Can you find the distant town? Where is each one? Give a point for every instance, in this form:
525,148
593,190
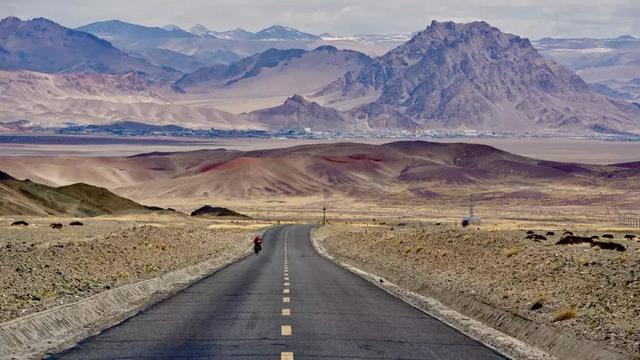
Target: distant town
135,129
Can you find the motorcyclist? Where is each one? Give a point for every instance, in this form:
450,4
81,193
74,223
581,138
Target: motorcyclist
257,244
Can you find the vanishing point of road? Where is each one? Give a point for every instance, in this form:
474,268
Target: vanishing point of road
287,303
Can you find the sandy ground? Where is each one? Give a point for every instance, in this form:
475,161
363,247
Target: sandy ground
579,289
42,267
566,150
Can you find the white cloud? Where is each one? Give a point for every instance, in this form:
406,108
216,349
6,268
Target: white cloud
530,18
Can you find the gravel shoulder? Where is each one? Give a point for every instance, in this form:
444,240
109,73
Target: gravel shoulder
586,291
43,267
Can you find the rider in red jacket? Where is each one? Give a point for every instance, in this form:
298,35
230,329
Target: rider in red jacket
257,244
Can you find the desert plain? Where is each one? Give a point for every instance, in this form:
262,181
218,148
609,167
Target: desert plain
393,209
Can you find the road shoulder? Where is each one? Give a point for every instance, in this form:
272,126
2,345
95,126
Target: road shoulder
56,329
507,333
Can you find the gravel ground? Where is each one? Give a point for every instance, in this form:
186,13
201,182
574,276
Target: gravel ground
584,290
43,267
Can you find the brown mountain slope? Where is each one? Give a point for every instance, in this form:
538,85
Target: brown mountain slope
53,100
282,72
473,76
29,198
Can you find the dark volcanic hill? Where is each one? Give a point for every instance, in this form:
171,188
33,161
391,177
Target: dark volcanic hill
44,46
473,76
29,198
210,211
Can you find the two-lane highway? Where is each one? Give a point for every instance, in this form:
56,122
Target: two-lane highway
286,303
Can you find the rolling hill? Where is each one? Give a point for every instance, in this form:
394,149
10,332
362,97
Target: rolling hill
400,170
25,197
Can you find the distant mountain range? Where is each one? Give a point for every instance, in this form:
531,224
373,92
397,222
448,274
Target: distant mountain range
116,29
279,32
612,66
462,77
44,46
237,34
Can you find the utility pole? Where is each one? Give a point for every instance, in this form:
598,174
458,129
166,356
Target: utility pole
471,208
324,215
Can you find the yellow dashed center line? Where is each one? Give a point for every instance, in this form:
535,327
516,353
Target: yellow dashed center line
286,330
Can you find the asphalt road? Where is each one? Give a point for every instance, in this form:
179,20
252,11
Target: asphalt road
286,303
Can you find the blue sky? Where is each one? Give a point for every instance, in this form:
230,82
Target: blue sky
529,18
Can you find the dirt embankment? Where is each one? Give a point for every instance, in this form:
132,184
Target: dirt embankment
43,267
580,289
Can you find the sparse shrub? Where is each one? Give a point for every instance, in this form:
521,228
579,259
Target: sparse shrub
563,314
47,294
512,251
150,268
623,259
124,275
608,236
408,250
419,249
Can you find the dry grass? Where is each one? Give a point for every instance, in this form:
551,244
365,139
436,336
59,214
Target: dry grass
583,261
511,251
565,313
